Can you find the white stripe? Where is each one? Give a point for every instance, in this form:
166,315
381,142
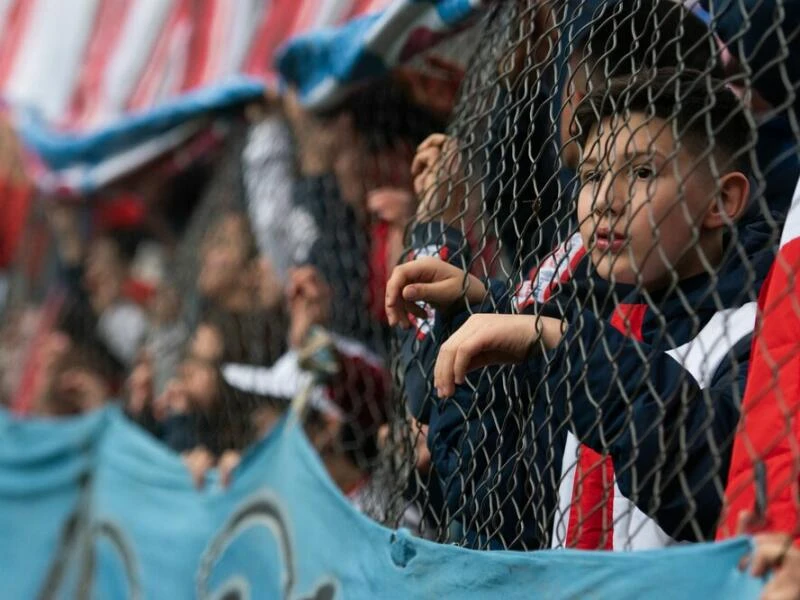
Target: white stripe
247,17
353,348
283,380
47,66
143,24
791,228
569,465
332,12
702,355
634,530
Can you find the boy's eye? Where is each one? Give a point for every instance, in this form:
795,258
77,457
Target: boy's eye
591,176
644,172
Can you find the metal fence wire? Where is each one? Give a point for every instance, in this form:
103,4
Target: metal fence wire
512,289
629,166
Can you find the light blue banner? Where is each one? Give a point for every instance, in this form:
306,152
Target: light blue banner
93,507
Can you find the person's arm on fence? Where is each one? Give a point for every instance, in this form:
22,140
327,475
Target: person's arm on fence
436,275
621,396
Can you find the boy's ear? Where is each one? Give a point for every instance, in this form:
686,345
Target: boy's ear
730,202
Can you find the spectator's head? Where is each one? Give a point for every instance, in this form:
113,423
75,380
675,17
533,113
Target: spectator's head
629,36
78,377
199,371
661,175
226,261
388,125
105,272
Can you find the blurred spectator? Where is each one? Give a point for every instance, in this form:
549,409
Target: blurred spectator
241,292
355,160
75,379
95,275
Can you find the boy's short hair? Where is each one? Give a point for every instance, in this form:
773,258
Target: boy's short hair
627,36
705,115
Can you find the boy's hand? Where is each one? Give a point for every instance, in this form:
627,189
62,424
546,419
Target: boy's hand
490,340
429,280
438,179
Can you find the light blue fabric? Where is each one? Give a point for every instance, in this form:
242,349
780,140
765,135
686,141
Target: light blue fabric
280,531
60,150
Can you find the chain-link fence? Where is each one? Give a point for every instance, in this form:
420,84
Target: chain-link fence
584,199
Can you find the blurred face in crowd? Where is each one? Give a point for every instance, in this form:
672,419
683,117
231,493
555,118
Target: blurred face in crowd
225,256
74,385
361,172
648,208
206,343
104,272
198,371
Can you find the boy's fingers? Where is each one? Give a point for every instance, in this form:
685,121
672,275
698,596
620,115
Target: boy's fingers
418,165
464,358
402,275
444,368
424,160
433,140
440,292
393,290
415,309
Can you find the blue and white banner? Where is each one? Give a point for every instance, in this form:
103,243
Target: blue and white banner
324,64
94,507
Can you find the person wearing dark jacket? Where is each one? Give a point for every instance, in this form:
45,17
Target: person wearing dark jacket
626,351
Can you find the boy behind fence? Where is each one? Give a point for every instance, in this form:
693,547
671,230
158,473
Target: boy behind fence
612,430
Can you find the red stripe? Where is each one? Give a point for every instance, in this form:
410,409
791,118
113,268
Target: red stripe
200,47
628,319
359,7
591,519
31,380
16,201
15,29
271,33
154,71
591,515
101,48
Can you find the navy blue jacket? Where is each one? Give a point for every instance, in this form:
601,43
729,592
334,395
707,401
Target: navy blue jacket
624,391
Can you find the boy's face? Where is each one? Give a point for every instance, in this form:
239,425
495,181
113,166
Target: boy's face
642,201
223,257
